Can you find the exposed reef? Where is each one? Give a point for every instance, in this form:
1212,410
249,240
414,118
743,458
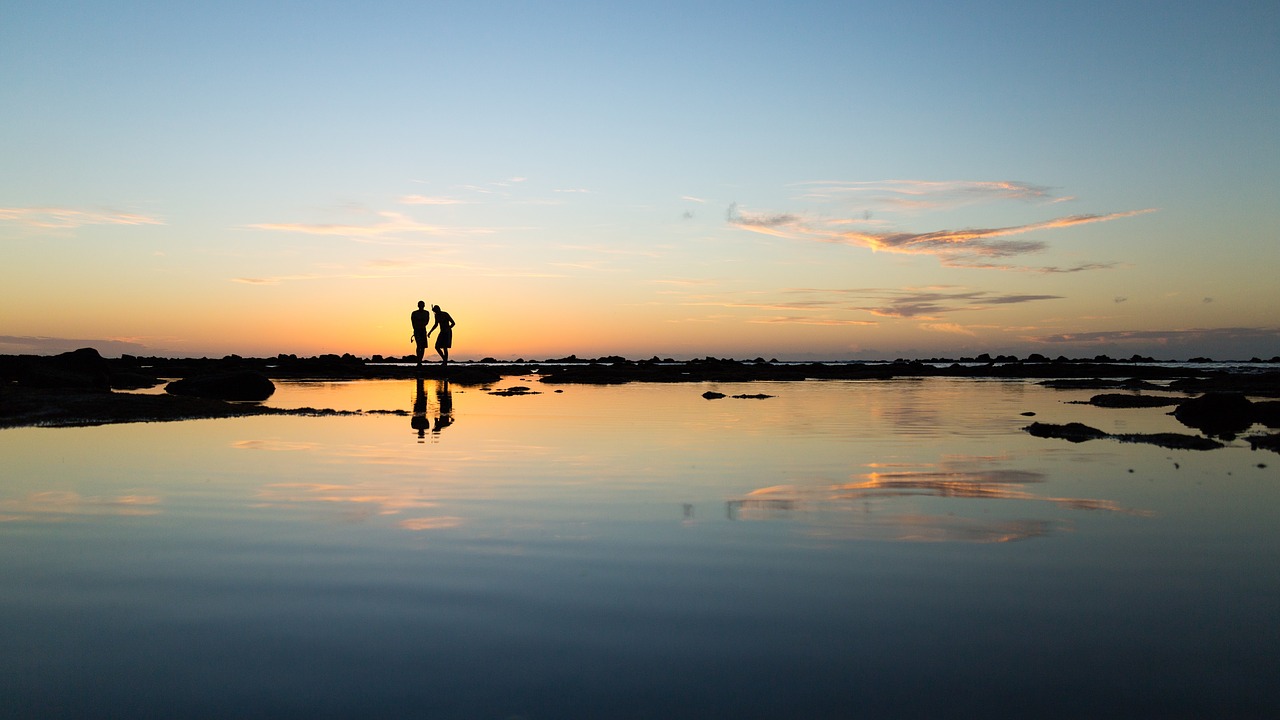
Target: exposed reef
77,387
1079,432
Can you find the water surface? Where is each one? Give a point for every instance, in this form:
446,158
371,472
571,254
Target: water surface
842,549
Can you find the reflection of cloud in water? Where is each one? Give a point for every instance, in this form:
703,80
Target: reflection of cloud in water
872,508
274,445
431,523
356,502
59,505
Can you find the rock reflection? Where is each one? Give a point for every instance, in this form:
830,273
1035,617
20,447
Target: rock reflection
880,505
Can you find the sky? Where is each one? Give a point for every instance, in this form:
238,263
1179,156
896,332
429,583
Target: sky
792,180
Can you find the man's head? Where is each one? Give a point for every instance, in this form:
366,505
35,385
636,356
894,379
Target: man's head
435,308
421,305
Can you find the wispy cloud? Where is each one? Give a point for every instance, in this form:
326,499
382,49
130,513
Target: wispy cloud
800,320
1200,336
970,247
927,194
925,303
951,328
957,245
393,225
43,345
823,306
70,218
429,200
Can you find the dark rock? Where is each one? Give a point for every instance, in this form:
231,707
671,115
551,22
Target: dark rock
712,395
242,385
1074,432
1265,442
1028,414
1121,400
514,390
82,369
758,396
1100,384
1267,412
1217,413
1265,384
1174,441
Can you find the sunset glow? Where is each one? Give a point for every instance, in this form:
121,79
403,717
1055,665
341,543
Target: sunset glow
884,182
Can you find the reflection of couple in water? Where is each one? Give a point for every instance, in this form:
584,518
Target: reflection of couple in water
444,409
418,319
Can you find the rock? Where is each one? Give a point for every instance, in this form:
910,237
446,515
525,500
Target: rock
1074,432
1173,441
712,395
514,390
1267,412
82,369
1265,442
1124,400
757,396
1217,413
236,385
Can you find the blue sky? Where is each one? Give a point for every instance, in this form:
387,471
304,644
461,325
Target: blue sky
779,179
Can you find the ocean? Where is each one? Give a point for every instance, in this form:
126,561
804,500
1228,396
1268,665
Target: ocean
838,549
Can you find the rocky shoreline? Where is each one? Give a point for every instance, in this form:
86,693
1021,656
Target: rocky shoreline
83,388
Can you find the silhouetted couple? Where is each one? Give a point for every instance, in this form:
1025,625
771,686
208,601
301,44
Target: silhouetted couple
418,319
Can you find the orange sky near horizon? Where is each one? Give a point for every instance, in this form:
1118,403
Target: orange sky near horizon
178,186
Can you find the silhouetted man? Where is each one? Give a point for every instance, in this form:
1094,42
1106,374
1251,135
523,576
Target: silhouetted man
444,340
419,319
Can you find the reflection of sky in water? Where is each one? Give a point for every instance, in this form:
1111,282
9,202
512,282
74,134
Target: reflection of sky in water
838,550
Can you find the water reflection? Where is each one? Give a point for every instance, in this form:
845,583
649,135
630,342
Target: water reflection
886,505
444,409
63,505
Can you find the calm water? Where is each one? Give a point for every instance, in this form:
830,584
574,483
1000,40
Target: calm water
844,549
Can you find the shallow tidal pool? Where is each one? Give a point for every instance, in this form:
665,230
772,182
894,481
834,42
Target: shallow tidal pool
840,549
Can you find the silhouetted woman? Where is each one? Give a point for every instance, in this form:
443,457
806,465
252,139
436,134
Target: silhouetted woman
444,340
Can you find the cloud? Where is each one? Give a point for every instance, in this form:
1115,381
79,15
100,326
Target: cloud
798,320
277,279
394,225
1203,336
956,245
925,304
427,200
691,198
776,224
980,247
907,303
949,328
41,345
927,194
69,218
